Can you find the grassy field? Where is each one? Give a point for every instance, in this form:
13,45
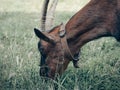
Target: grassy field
19,57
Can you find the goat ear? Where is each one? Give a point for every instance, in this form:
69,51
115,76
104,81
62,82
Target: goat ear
42,36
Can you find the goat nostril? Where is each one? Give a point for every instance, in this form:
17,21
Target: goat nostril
44,71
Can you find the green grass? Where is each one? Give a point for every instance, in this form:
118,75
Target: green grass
19,57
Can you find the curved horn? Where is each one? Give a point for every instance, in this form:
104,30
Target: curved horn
50,15
44,14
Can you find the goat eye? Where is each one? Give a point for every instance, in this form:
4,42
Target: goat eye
41,49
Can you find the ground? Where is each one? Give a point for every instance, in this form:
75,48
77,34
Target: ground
19,57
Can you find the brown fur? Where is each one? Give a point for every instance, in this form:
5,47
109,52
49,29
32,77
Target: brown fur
99,18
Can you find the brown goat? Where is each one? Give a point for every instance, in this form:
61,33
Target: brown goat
99,18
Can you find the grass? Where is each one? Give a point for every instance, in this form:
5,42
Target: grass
19,57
